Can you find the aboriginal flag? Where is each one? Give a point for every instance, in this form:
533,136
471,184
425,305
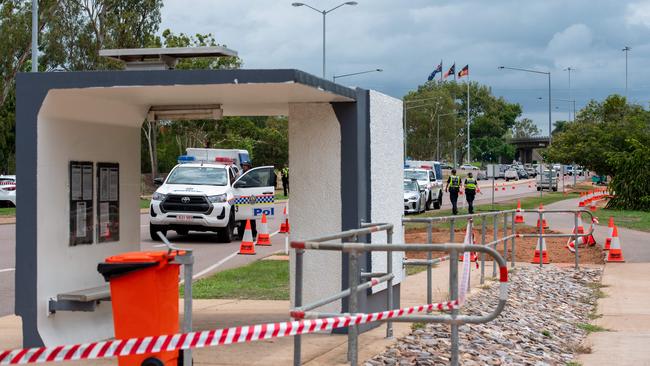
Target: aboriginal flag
435,71
463,72
451,71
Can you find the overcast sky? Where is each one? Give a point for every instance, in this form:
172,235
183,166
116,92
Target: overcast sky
408,38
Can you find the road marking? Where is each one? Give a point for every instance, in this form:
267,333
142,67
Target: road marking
215,266
7,270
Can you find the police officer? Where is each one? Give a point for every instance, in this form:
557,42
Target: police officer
453,187
285,180
470,191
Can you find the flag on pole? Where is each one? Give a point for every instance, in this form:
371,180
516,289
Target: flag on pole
435,71
463,72
451,71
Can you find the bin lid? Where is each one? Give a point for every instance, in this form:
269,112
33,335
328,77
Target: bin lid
142,257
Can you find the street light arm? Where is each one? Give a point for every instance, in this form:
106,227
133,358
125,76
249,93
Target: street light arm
525,70
309,6
340,5
356,73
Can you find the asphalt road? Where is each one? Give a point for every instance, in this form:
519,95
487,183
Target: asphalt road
210,255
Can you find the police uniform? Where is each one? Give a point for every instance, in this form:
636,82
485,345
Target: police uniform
285,180
470,193
453,182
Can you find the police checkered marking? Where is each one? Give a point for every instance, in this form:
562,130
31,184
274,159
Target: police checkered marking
251,200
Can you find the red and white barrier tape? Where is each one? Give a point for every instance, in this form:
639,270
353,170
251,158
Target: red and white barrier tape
217,337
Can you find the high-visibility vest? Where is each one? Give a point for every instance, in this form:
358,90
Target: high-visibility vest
470,183
454,181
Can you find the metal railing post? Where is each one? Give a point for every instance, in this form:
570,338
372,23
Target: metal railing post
188,269
541,238
453,292
512,248
297,339
483,222
353,281
575,238
495,224
389,283
452,234
429,266
505,233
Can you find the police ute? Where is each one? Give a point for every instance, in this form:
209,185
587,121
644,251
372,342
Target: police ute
209,196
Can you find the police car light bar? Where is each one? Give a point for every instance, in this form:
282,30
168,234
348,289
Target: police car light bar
225,160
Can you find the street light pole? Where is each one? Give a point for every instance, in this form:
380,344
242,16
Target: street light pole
626,49
569,69
548,73
355,73
324,13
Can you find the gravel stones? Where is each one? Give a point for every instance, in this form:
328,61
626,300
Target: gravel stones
537,327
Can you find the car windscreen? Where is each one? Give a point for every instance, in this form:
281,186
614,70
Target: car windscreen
411,186
198,176
416,174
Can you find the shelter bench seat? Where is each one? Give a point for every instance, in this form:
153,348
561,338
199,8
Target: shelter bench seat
81,300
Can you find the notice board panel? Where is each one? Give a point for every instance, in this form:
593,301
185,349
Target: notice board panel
81,202
108,202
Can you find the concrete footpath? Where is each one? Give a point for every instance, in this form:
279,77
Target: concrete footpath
318,349
625,311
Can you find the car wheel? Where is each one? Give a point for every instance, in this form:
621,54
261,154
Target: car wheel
539,188
438,203
182,232
154,229
227,234
554,189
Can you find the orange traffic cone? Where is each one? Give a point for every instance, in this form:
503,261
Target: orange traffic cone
592,205
543,223
615,253
247,246
591,241
540,251
469,239
263,237
519,218
284,227
503,187
610,233
582,200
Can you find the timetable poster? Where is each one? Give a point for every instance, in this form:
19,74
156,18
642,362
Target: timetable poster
81,202
108,202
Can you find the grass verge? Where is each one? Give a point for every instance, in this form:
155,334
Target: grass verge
7,211
261,280
637,220
144,203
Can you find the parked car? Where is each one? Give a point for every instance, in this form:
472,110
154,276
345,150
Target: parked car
511,174
521,172
415,197
8,190
446,166
532,173
468,167
427,179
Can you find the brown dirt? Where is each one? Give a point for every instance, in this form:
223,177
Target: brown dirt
524,247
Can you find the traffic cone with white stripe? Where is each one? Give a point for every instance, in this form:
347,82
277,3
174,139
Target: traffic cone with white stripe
263,237
591,241
469,240
581,203
592,205
247,246
540,251
519,218
610,233
284,227
580,230
543,223
615,253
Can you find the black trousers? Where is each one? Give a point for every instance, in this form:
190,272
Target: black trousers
285,186
470,194
453,196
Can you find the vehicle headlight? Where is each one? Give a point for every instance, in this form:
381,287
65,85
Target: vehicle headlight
413,198
218,198
158,196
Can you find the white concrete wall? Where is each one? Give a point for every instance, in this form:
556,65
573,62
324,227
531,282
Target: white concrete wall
386,177
315,166
62,268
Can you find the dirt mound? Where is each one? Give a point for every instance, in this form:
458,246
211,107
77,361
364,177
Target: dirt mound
524,247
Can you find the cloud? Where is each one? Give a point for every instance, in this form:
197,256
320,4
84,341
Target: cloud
408,38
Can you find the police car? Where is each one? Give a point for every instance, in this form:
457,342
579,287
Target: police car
426,178
210,197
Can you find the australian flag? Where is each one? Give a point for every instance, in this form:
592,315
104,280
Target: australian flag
435,71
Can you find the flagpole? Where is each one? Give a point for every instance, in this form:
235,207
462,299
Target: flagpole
442,67
469,160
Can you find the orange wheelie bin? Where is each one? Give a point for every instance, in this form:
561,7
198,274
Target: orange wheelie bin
144,296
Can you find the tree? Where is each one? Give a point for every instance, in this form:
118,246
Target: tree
632,193
559,127
524,127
